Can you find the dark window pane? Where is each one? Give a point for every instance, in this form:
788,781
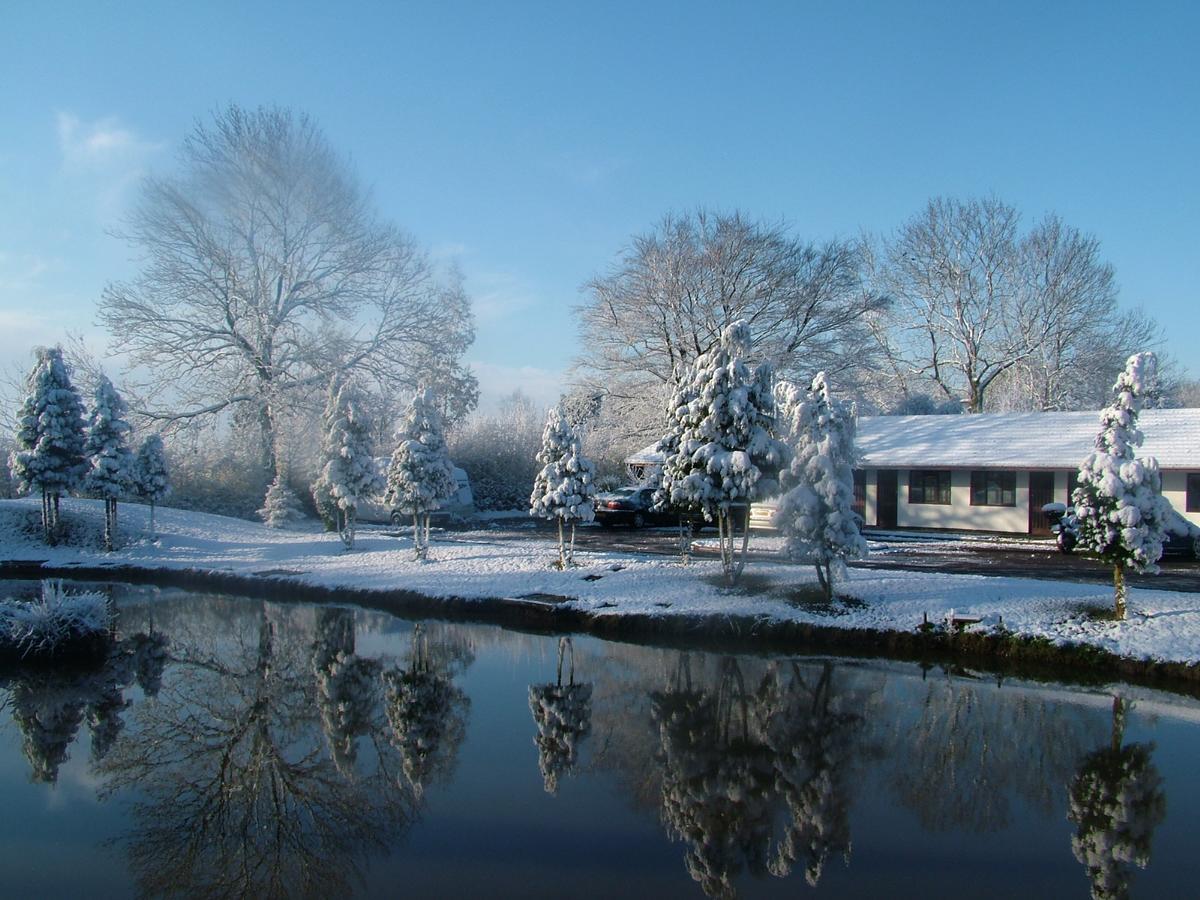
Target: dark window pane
929,486
1193,492
990,488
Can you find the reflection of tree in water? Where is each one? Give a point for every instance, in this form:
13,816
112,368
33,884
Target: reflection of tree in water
718,776
973,746
427,713
238,797
1116,803
48,707
347,685
812,734
563,715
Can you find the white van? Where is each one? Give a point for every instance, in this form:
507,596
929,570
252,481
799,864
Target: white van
460,506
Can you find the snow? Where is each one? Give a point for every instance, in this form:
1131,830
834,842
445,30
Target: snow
1035,440
1161,625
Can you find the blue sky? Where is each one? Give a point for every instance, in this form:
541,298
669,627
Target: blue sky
529,141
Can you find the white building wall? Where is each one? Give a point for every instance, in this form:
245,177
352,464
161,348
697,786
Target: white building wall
871,498
1174,488
960,514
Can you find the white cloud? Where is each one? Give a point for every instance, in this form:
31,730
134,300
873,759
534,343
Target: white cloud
497,296
101,145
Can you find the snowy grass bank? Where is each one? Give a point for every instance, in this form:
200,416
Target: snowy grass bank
52,625
1162,626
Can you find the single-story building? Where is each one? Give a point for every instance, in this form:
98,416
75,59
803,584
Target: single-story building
993,471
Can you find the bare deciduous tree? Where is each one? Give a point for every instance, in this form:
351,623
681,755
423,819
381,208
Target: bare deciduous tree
999,319
266,269
670,294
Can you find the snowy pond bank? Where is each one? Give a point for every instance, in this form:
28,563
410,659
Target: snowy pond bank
612,593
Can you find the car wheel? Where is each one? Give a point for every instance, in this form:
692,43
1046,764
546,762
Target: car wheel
639,520
397,518
605,523
1196,549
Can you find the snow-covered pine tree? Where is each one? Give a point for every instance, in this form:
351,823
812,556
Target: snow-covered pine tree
727,456
1119,499
110,461
816,515
564,488
349,471
49,455
678,407
281,506
323,499
420,476
151,475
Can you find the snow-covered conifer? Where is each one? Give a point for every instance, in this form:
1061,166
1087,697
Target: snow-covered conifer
1119,502
281,506
726,455
49,456
564,488
816,515
111,462
678,408
151,475
563,716
349,473
420,476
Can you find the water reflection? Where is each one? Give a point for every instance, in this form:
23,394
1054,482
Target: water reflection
563,716
281,750
1116,803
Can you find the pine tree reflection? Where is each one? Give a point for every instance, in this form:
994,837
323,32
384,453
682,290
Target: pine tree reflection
346,686
1116,802
427,712
237,796
49,706
563,715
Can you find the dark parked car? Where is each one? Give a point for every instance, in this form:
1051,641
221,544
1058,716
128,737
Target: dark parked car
1182,538
631,506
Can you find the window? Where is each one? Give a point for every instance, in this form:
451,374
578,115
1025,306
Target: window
929,486
860,493
990,488
1193,492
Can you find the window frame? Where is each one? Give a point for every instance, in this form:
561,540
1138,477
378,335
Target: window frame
1191,496
995,488
942,488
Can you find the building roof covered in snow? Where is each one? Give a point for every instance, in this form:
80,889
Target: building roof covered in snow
1030,440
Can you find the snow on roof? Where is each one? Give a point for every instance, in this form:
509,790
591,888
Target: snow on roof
1030,440
1033,440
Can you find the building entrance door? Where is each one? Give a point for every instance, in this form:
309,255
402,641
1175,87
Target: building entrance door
1041,492
885,516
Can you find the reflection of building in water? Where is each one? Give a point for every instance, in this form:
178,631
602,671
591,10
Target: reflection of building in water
563,715
1116,803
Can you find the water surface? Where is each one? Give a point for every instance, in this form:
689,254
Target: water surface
231,747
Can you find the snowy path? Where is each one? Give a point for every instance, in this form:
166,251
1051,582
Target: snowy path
1162,625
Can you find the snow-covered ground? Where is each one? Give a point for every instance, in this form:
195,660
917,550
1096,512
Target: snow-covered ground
1161,625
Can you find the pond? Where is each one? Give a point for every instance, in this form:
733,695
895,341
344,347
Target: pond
235,747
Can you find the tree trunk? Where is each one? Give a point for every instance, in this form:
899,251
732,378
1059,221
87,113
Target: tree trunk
416,535
562,553
1119,589
47,518
110,523
151,518
347,529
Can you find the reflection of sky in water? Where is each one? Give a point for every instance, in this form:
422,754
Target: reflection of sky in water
936,785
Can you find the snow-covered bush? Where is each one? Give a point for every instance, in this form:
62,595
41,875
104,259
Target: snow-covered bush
1119,500
348,472
110,461
49,456
563,715
151,474
816,515
564,488
726,455
49,624
420,476
499,453
281,507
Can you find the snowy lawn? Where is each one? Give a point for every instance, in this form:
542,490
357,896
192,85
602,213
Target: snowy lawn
1161,625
